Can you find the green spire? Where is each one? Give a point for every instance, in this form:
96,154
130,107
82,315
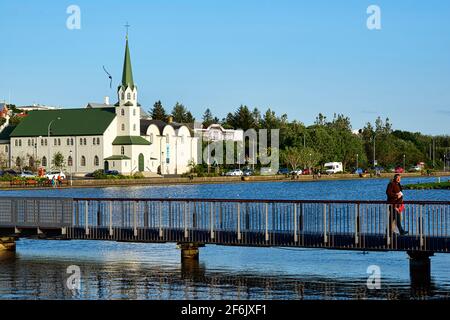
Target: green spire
127,75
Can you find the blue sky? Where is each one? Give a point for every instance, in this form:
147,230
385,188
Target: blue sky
296,57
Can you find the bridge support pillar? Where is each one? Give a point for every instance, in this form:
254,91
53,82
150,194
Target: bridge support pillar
7,243
420,268
189,250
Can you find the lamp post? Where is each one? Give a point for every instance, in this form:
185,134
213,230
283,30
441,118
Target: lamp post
374,139
357,161
404,162
445,163
310,163
49,143
71,164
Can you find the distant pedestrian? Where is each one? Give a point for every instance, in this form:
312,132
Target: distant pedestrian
395,198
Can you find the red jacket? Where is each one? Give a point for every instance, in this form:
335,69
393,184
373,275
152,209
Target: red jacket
392,190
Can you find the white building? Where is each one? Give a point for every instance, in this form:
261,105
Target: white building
101,136
215,132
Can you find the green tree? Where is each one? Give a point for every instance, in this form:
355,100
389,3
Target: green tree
181,115
158,112
58,161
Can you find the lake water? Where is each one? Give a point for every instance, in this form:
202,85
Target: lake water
112,270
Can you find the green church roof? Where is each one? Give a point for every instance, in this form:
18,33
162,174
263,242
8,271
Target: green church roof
73,122
6,132
130,140
118,157
127,74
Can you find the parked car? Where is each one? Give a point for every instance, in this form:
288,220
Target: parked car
306,171
296,172
415,169
283,171
55,174
399,170
112,172
10,172
27,174
248,172
234,172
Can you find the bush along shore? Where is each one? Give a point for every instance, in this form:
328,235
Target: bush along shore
428,186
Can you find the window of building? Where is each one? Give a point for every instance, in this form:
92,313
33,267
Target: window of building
68,141
55,142
123,96
45,141
123,127
122,150
15,143
134,96
29,142
70,161
122,112
59,142
93,141
71,141
134,127
81,141
42,142
84,141
98,141
6,149
134,112
44,161
129,96
83,161
96,161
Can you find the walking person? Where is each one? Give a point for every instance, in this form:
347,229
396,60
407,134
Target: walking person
395,198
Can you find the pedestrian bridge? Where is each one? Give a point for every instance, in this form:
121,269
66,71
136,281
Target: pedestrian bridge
192,223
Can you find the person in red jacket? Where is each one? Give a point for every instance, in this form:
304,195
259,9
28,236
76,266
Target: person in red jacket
395,198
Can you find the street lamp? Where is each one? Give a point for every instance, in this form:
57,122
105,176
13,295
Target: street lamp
404,162
357,161
71,164
310,163
49,143
374,139
445,156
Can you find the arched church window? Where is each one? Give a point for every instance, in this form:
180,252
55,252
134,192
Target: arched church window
123,96
122,150
81,141
122,112
134,112
68,141
134,96
123,127
83,161
93,141
134,127
129,96
70,161
96,161
84,141
98,141
44,161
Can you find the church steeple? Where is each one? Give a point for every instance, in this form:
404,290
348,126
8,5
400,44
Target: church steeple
127,74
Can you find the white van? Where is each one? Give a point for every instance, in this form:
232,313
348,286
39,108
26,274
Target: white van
333,167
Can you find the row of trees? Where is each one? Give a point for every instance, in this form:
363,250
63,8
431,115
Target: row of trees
327,140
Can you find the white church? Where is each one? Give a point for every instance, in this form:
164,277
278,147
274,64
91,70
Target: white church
101,136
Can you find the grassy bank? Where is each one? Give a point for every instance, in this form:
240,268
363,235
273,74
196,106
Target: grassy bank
102,183
428,186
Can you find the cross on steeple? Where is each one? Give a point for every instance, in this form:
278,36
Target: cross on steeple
127,26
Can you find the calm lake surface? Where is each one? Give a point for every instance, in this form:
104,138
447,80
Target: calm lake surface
112,270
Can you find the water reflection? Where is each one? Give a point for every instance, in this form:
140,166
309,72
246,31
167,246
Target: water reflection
29,278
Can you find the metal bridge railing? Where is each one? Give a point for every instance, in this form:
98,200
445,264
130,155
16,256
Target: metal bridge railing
331,224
